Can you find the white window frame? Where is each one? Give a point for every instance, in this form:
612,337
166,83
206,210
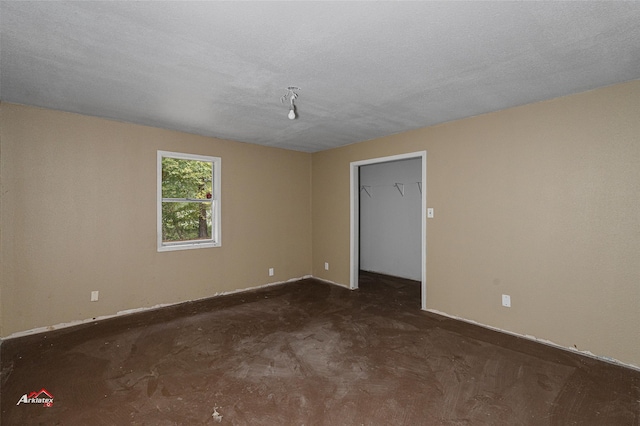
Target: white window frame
216,240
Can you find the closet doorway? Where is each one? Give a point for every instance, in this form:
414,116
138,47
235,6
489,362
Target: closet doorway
389,182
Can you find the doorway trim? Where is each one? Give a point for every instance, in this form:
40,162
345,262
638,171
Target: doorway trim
355,217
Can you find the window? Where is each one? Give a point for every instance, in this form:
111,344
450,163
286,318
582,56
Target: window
188,201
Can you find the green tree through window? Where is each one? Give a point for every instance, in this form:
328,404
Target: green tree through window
188,211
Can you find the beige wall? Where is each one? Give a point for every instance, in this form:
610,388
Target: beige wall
78,214
541,202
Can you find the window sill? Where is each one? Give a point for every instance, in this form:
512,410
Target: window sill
187,246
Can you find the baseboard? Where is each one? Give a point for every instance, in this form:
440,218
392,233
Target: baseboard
332,283
137,310
160,306
608,360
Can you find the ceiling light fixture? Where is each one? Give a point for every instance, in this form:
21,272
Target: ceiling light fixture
292,96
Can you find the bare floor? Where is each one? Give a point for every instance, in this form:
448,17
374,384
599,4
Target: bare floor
307,353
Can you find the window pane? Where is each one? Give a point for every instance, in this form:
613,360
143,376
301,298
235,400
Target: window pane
185,221
186,178
188,201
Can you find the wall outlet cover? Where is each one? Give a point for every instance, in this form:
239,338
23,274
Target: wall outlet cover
506,300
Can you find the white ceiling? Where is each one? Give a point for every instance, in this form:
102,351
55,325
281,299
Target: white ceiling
365,69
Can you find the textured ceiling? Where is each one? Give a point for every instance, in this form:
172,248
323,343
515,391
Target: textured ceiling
365,69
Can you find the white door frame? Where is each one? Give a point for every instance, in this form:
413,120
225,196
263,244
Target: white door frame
355,216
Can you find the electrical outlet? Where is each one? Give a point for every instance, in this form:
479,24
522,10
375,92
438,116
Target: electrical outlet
95,295
270,272
506,300
326,266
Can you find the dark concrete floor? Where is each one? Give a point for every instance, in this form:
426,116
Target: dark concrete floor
307,353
